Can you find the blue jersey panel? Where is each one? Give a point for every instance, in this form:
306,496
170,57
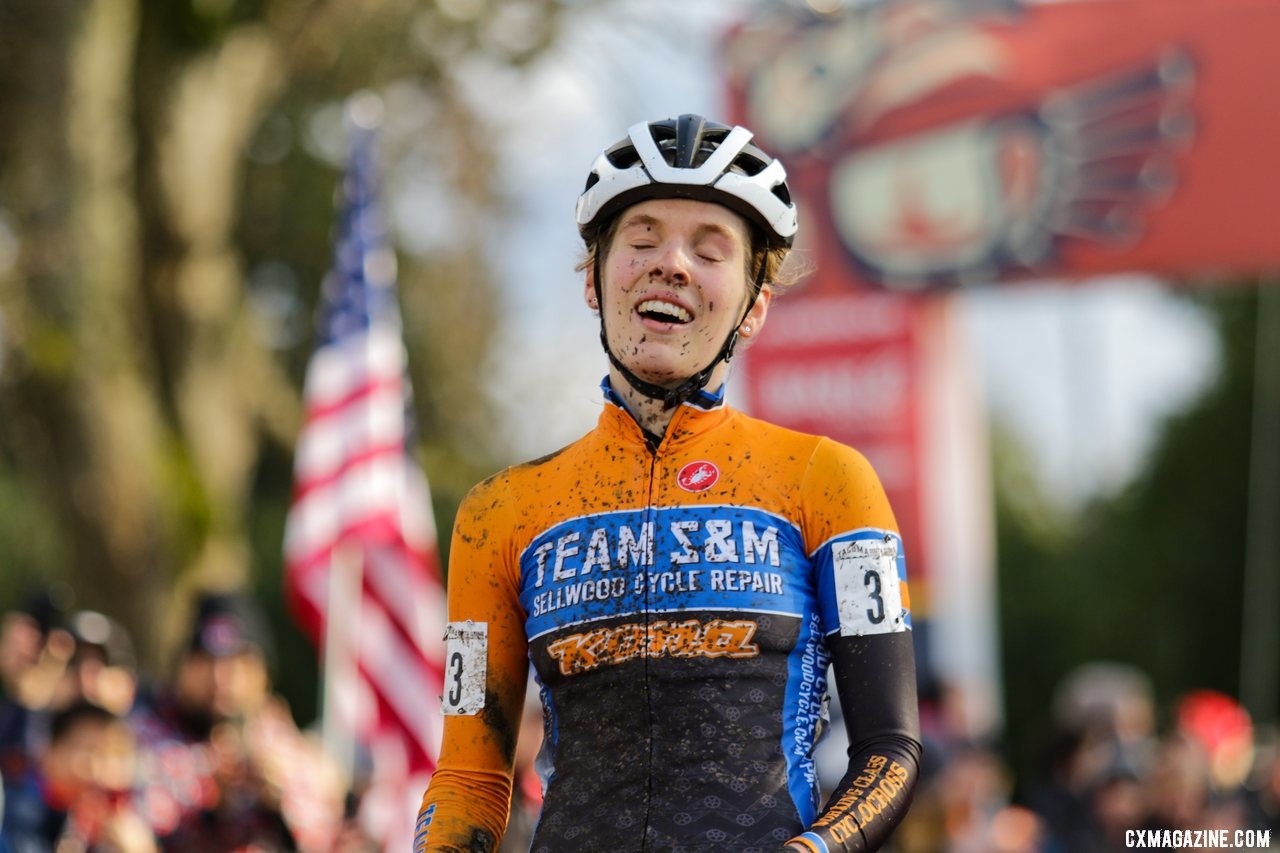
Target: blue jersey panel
660,560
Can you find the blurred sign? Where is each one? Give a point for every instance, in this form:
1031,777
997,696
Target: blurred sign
937,143
891,375
842,365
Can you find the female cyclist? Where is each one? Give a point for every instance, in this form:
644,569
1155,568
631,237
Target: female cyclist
680,577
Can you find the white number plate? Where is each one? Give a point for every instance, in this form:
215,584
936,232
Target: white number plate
466,657
867,589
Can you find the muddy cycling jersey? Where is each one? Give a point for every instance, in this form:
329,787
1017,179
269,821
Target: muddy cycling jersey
679,605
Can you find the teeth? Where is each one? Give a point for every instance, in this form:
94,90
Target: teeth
657,306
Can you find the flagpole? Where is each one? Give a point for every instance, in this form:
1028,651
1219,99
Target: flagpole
339,700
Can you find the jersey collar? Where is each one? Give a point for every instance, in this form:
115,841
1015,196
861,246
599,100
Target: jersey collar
692,418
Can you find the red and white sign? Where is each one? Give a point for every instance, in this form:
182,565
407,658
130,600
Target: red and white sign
843,365
939,143
891,376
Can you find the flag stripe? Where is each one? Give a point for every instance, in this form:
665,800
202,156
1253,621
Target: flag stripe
420,613
368,425
368,491
385,659
351,364
366,455
400,673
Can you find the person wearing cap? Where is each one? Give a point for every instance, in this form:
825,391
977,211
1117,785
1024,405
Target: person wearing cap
35,650
225,672
103,668
224,765
680,577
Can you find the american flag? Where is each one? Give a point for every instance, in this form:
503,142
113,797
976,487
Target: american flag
361,507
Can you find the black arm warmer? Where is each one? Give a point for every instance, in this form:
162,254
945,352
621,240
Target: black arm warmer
876,680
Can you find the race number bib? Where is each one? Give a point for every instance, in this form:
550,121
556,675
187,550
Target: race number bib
466,657
868,593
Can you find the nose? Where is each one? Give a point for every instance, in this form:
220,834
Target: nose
672,264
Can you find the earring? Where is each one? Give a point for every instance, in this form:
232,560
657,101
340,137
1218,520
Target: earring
747,328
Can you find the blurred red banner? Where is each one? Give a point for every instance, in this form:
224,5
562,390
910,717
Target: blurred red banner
844,365
937,143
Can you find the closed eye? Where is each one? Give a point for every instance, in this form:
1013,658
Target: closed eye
712,247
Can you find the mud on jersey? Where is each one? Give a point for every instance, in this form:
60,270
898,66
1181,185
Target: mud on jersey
678,606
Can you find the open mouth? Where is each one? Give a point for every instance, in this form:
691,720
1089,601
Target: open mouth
663,312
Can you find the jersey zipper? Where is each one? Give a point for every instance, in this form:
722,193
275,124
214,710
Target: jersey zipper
651,515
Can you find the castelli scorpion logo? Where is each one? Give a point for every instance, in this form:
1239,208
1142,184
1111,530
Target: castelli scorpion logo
698,476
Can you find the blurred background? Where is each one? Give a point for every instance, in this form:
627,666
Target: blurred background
1044,303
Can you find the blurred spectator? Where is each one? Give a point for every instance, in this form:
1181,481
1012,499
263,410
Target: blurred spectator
79,795
962,802
1015,829
975,789
1262,800
103,666
1102,740
1224,732
34,651
1116,804
963,807
224,765
217,763
1058,796
1113,698
1178,784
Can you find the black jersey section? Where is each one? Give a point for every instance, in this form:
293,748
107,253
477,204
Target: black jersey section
713,722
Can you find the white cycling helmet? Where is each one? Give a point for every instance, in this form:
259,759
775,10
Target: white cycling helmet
690,157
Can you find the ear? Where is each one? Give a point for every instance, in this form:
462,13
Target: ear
589,288
756,316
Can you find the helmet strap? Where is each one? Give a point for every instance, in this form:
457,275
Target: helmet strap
672,397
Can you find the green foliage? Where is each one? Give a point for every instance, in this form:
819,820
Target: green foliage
192,519
169,257
1151,576
197,24
51,352
31,549
296,675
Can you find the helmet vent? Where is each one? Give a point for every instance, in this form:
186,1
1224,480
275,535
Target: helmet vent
690,158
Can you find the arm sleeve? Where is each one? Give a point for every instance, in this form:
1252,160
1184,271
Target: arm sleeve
865,609
467,803
875,677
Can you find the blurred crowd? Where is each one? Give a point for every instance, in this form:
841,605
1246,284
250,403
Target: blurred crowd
95,758
1107,767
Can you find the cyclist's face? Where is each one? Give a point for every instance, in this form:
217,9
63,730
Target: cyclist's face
675,284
